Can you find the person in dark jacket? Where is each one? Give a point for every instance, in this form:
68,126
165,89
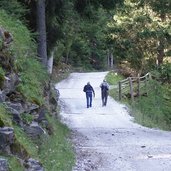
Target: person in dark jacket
88,89
104,92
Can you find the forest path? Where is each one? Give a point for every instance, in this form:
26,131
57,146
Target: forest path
106,138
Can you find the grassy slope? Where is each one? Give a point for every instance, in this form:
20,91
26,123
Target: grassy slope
23,49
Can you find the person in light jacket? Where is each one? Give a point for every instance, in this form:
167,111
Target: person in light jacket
104,92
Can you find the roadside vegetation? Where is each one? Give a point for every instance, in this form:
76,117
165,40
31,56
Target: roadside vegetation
151,110
56,152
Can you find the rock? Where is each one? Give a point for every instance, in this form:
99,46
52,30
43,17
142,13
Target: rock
6,138
10,83
15,109
2,96
4,165
6,37
15,106
30,107
42,114
34,131
33,165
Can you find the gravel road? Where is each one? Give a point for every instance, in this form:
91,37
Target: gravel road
107,138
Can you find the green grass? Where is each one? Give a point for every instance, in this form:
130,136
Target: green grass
155,109
113,78
33,78
13,163
56,153
25,142
5,117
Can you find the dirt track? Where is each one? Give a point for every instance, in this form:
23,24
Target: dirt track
106,138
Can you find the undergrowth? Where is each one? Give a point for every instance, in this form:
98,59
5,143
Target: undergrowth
56,152
155,109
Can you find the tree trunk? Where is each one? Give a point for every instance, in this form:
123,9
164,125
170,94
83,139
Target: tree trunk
110,59
50,63
160,57
41,29
161,53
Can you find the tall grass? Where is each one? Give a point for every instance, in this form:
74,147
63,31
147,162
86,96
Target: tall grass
56,152
33,78
155,109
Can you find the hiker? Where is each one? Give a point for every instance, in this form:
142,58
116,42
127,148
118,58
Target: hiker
104,92
88,89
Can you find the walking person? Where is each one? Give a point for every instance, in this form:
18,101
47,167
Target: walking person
104,92
88,89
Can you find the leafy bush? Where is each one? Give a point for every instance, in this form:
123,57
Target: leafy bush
113,78
13,8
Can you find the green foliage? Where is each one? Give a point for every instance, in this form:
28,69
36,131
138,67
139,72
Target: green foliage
25,142
27,118
23,45
113,78
138,34
5,118
154,110
165,72
33,78
13,8
56,152
14,163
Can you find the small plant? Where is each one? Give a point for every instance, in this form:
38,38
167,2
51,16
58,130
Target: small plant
5,118
27,118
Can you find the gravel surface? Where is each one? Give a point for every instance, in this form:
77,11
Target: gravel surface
107,138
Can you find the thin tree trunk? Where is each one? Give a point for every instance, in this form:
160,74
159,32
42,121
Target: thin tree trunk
50,63
160,56
161,53
41,29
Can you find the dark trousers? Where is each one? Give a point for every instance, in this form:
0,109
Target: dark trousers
104,95
89,99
